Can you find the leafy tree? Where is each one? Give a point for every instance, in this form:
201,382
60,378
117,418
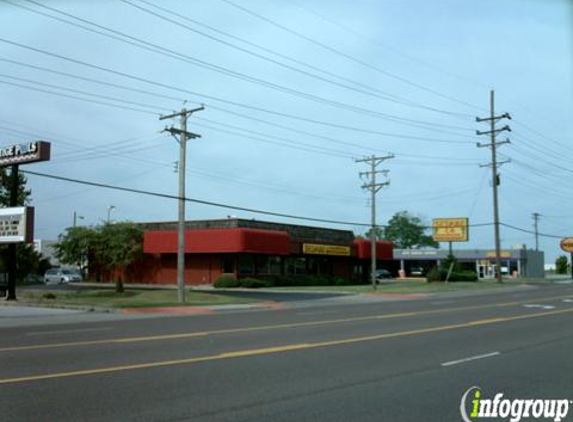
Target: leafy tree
119,246
75,246
561,265
5,188
112,247
408,231
378,234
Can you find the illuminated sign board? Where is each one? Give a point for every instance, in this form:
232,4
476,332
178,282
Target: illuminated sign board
567,244
29,152
450,229
17,225
318,249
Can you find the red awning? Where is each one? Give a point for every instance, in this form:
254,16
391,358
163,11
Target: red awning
384,249
272,242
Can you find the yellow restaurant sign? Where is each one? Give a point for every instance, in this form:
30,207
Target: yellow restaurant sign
450,229
318,249
502,254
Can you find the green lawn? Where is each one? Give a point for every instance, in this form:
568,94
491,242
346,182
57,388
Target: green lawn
421,286
131,298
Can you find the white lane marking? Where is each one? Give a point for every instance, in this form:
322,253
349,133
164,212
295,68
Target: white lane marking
568,300
456,362
84,330
535,305
442,302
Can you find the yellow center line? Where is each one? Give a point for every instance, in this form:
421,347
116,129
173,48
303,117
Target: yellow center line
277,349
268,327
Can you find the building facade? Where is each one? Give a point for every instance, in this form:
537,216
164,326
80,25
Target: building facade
519,262
252,248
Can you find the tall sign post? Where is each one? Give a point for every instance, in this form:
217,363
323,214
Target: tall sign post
567,246
16,223
450,230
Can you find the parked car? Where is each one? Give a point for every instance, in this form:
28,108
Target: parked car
383,275
59,275
417,271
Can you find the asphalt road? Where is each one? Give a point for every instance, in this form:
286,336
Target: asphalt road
385,361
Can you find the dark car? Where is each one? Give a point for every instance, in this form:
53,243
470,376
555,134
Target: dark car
383,275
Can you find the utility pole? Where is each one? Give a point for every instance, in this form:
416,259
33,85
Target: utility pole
493,144
373,187
183,136
536,216
12,253
76,217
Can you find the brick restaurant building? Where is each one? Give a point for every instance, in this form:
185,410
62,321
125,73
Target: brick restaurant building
251,248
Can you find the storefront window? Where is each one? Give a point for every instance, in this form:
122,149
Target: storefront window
268,264
296,266
246,265
319,266
227,265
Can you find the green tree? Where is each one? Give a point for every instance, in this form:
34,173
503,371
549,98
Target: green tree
378,234
5,188
408,231
561,265
75,246
119,246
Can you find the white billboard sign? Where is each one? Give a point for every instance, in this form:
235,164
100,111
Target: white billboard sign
16,225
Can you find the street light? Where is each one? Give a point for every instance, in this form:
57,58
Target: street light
76,217
109,209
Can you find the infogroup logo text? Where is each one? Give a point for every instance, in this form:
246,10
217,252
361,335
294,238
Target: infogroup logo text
514,409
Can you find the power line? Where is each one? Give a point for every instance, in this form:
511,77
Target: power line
209,203
349,57
369,90
73,97
385,46
552,236
139,43
214,98
75,91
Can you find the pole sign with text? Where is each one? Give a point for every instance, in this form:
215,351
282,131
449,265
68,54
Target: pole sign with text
450,229
29,152
17,225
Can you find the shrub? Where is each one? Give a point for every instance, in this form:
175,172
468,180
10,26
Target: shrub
561,265
254,283
226,281
440,274
433,275
49,295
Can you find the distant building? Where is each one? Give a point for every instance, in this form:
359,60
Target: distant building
46,249
521,262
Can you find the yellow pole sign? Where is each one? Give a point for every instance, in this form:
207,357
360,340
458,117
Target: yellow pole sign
450,229
567,244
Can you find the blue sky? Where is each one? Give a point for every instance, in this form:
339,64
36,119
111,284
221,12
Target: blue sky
401,77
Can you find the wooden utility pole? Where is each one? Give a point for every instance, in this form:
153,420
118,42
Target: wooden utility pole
373,187
183,136
492,120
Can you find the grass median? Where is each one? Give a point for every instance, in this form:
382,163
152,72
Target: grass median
420,286
130,298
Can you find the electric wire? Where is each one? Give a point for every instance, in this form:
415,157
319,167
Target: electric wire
205,202
349,57
201,63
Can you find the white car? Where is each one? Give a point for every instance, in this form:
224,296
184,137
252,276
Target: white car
59,275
